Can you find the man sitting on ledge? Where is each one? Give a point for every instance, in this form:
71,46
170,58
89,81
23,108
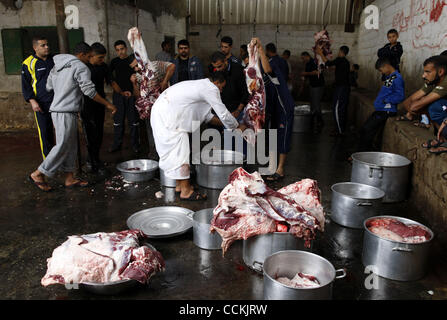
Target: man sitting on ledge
430,98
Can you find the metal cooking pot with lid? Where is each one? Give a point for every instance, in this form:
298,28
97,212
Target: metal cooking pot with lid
396,260
352,203
213,172
386,171
256,249
288,264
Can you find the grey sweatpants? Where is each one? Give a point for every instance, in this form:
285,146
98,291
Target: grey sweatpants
63,155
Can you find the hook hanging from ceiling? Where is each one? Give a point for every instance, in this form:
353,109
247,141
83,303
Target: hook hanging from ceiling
219,12
254,21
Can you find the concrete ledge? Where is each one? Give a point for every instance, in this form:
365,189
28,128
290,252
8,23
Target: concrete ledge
429,172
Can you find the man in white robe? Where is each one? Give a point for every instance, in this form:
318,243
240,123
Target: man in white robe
172,119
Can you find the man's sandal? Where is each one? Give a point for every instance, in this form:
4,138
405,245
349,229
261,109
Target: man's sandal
195,196
404,118
39,184
429,144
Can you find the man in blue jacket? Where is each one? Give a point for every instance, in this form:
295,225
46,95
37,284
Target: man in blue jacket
391,94
186,67
35,71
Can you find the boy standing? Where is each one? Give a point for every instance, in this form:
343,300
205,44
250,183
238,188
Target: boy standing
69,79
391,94
392,50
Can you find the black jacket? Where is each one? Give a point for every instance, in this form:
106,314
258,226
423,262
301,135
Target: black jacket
394,53
235,91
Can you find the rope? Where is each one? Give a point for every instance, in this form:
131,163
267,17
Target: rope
137,13
219,31
324,14
254,21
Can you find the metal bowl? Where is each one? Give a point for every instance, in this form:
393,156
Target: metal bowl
115,287
147,170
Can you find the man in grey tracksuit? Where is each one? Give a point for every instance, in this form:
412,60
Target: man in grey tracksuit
69,79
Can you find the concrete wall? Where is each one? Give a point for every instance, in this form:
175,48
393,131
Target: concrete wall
14,112
295,38
421,24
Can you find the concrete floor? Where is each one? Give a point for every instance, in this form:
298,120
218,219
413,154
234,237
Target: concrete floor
34,223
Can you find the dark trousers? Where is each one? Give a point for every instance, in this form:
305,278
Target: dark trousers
316,94
92,117
372,127
126,108
45,131
340,107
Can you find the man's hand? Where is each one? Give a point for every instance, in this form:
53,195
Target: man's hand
242,127
126,94
319,51
163,85
35,106
112,108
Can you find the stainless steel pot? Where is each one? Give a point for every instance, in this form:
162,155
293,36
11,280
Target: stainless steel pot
302,122
352,203
213,173
167,182
395,260
147,170
288,264
256,249
386,171
201,229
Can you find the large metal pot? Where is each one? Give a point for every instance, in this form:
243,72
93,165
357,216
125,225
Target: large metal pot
302,122
386,171
140,170
352,203
395,260
213,173
167,182
202,236
256,249
288,264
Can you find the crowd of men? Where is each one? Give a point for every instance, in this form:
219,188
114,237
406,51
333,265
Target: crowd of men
61,87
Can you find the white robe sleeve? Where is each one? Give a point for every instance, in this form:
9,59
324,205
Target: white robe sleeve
213,98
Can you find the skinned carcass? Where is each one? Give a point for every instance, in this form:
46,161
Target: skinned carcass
149,89
102,258
254,111
322,41
248,207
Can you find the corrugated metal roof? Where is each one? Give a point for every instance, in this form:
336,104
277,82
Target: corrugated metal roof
296,12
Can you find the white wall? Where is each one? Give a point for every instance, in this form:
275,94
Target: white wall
423,33
295,38
93,19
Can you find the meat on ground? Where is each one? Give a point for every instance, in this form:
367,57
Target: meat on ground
102,258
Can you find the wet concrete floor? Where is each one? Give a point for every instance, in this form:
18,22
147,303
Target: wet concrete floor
33,224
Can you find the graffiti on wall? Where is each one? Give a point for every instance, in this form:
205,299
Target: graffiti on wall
421,18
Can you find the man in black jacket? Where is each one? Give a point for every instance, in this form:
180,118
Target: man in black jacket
235,93
93,113
342,88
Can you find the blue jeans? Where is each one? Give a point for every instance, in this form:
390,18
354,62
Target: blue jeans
438,111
